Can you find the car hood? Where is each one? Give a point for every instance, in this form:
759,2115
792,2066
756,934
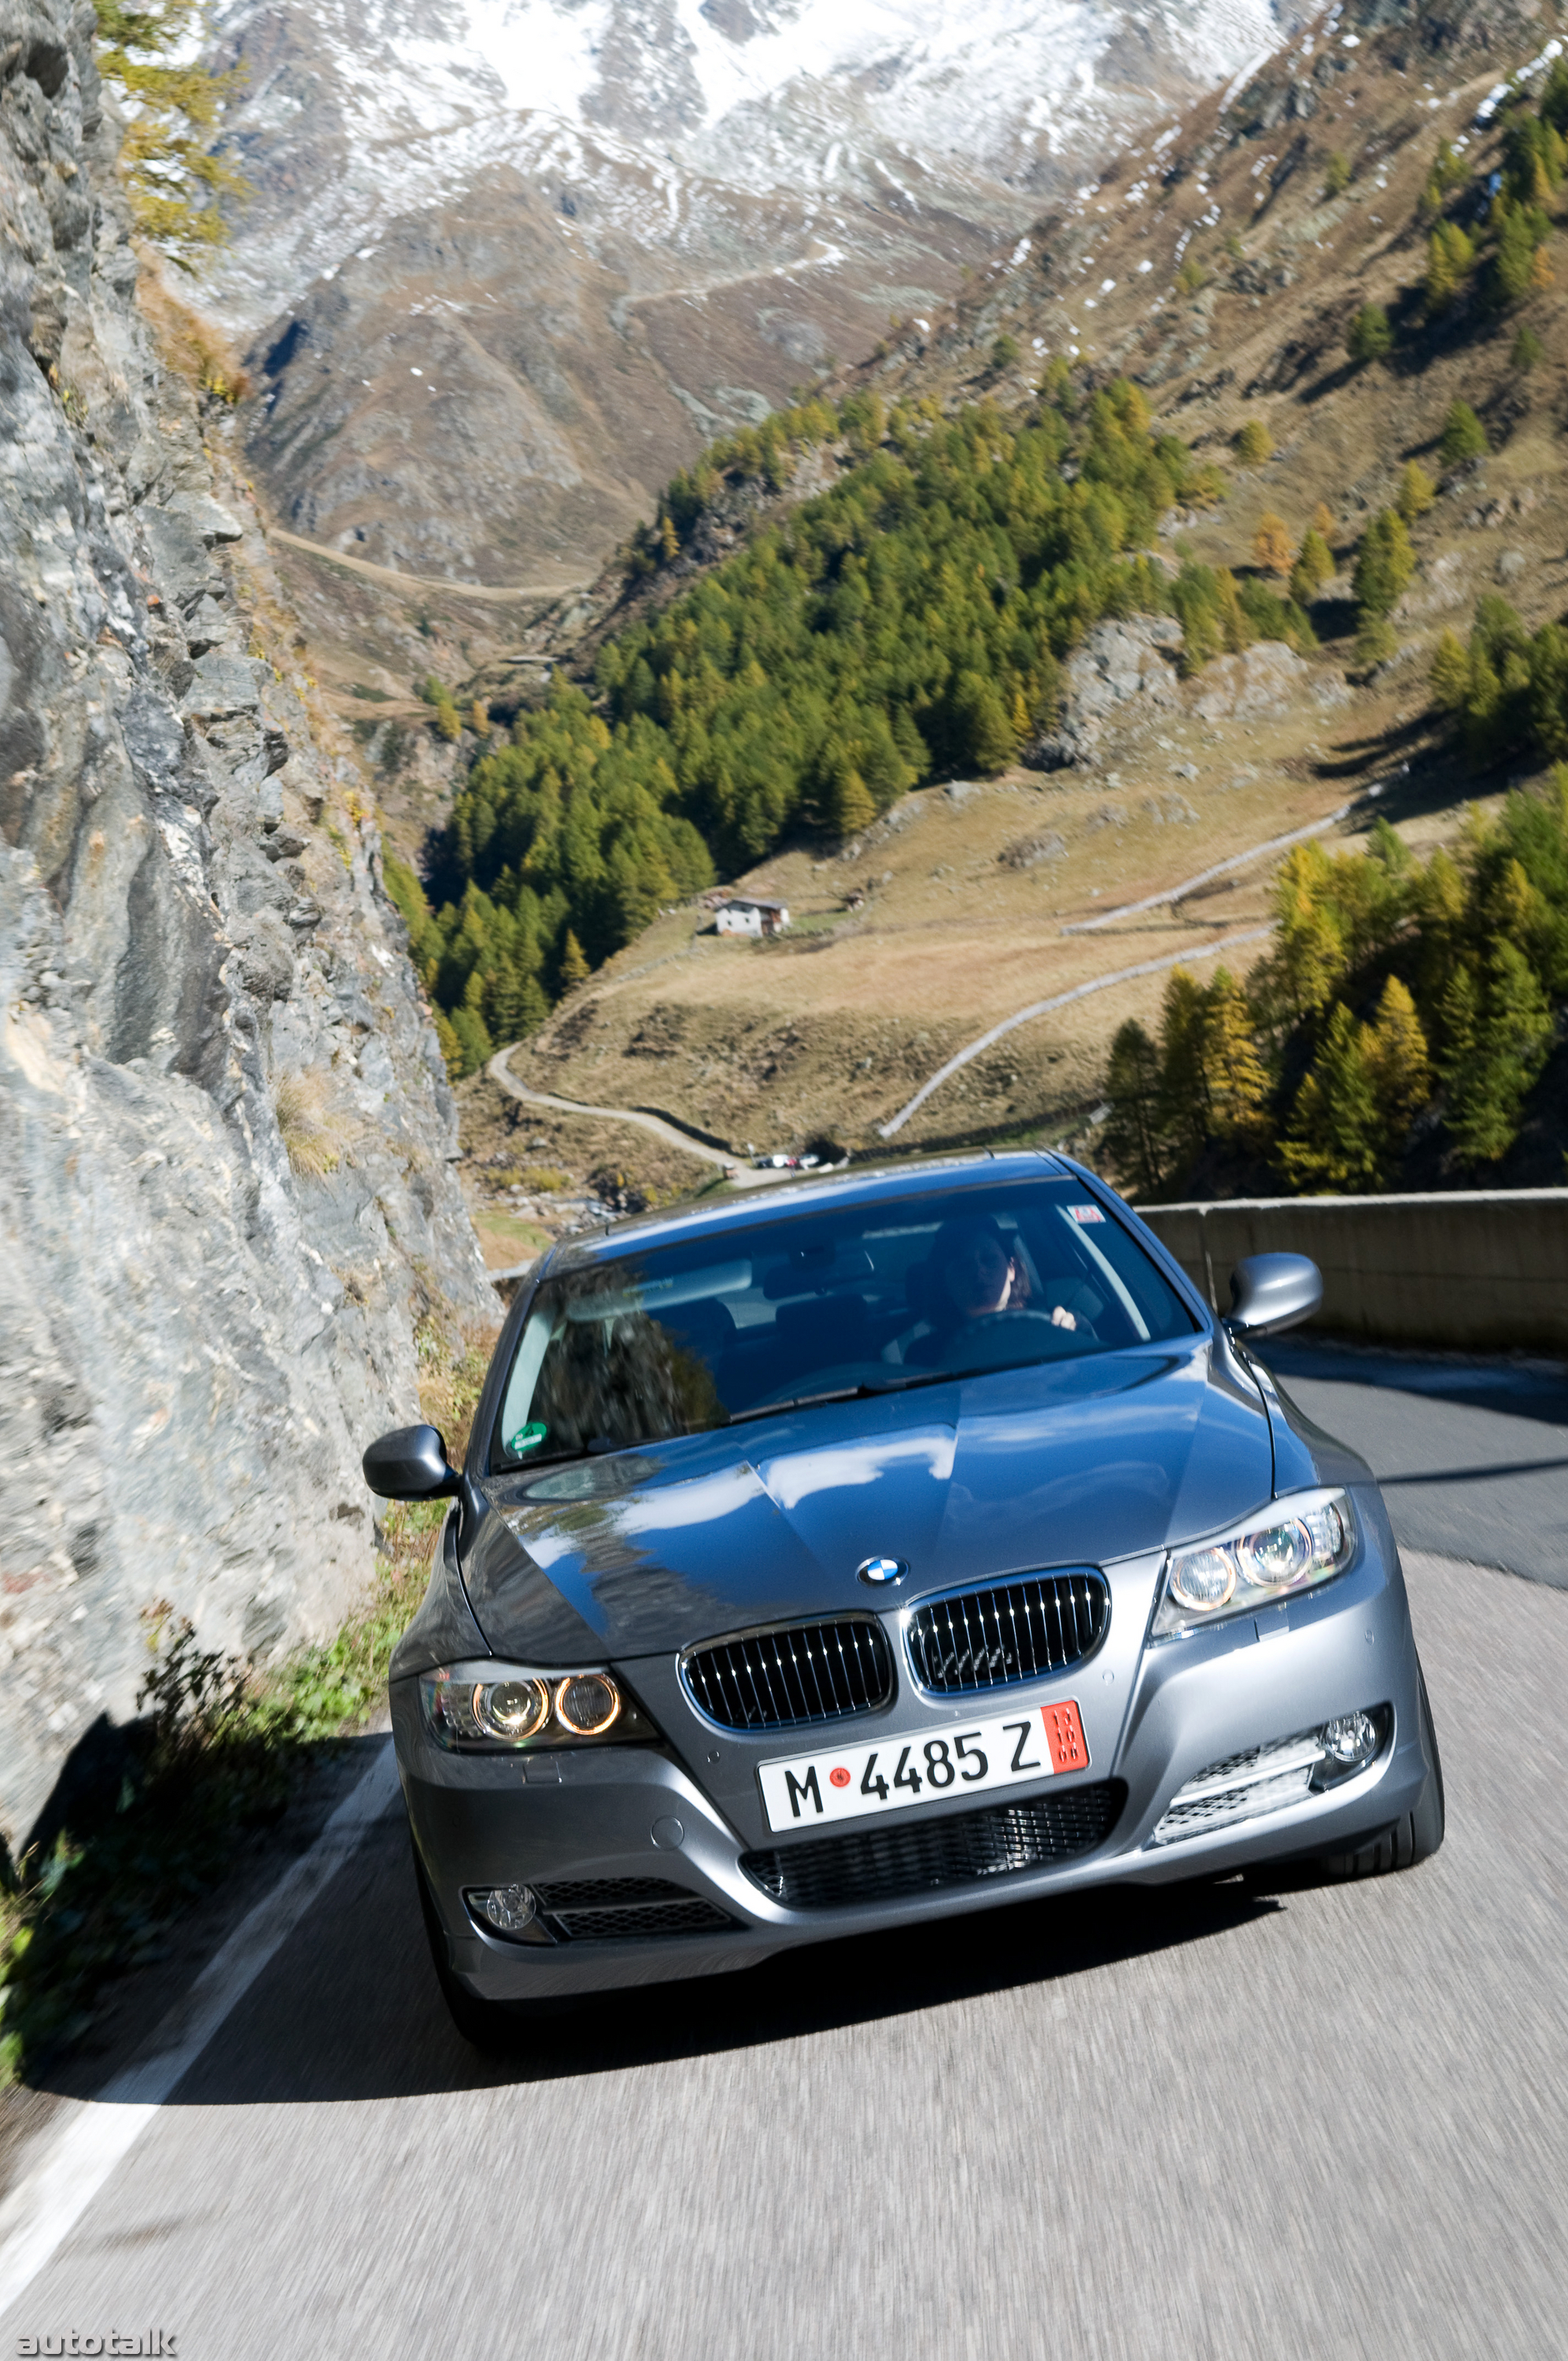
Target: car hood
1074,1463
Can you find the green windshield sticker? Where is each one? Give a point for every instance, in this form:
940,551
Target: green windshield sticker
527,1437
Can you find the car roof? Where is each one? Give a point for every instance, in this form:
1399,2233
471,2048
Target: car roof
855,1185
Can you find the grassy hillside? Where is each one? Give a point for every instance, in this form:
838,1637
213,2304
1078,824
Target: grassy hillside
1291,375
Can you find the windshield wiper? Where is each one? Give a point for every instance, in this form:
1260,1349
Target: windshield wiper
808,1401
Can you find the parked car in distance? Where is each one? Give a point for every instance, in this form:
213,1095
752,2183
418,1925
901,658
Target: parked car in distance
916,1541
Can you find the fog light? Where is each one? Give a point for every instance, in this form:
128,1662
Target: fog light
1352,1740
511,1907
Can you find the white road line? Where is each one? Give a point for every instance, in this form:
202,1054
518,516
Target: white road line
1060,1000
76,2160
1220,869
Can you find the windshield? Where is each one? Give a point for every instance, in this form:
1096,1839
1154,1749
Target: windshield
867,1299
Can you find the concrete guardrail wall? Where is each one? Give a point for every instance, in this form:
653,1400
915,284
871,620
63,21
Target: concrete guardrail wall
1469,1269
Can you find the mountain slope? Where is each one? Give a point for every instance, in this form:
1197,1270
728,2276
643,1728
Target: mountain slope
834,1032
506,267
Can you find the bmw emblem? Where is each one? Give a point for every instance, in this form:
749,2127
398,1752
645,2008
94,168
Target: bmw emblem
882,1569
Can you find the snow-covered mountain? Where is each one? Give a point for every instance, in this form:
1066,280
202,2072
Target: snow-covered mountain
619,226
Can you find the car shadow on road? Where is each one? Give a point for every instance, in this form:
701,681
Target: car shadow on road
350,2010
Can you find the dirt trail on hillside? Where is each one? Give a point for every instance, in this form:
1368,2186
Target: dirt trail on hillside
505,595
671,1133
1062,1000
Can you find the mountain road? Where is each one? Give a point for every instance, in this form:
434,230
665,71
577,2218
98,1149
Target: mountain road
1277,2120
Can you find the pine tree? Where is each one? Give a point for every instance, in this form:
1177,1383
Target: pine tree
1254,444
1385,564
991,743
1450,674
1308,958
1325,522
1369,337
1131,1141
1396,1060
1463,436
1185,1111
1336,175
1334,1137
1527,350
1497,1037
575,969
852,808
1271,544
1233,619
1314,566
1416,491
1450,258
1236,1076
451,1048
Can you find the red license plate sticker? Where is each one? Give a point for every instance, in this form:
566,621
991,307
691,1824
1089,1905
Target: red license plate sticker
1064,1736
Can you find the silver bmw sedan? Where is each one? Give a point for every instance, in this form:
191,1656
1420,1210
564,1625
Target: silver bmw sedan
914,1541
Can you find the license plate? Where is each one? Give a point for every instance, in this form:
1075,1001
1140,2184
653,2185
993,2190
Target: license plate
898,1772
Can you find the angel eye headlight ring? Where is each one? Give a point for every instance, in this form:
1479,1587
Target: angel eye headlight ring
516,1710
588,1704
1301,1541
488,1707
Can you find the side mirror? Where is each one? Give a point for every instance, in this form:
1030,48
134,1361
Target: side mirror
411,1464
1271,1292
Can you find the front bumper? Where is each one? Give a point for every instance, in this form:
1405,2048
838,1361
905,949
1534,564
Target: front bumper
1157,1716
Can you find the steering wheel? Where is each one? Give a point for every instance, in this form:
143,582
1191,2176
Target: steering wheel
1015,1322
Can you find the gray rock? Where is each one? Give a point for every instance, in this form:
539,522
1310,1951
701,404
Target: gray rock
1511,565
223,685
1118,661
1030,850
212,521
223,1198
264,950
1263,679
206,626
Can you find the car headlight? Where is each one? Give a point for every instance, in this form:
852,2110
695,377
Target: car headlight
1305,1539
485,1707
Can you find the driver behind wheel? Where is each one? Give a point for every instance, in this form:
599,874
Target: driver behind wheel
973,1275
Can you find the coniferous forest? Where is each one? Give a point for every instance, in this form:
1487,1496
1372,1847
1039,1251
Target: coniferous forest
906,624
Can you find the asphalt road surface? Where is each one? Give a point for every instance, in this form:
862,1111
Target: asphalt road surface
1202,2122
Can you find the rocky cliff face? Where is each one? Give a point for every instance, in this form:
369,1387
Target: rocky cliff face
224,1127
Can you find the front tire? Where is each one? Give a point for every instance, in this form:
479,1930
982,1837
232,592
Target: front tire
488,2025
1417,1834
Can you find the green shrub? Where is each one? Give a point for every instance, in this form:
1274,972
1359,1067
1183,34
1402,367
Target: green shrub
1416,491
1463,436
1450,259
1369,337
1384,564
1314,566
